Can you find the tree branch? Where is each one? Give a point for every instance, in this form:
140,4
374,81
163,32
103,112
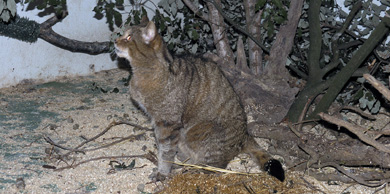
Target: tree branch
238,27
378,85
342,77
219,32
357,130
335,48
196,10
253,26
47,34
284,42
315,36
358,179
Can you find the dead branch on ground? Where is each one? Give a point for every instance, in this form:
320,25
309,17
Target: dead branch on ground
363,136
150,156
357,130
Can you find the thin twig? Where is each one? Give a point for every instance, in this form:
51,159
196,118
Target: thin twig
112,124
359,111
350,175
196,10
378,85
311,186
99,158
50,141
357,130
304,111
238,27
113,143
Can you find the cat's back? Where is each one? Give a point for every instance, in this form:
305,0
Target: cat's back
210,95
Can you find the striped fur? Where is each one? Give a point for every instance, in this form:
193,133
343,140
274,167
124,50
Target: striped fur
195,112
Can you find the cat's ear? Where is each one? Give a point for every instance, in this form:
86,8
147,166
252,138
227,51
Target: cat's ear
149,32
144,20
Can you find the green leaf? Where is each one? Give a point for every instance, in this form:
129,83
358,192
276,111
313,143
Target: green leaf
385,2
195,35
180,4
119,5
194,48
165,5
109,17
347,3
167,19
131,165
358,95
162,27
43,5
279,20
2,6
260,4
278,4
5,16
143,11
270,29
118,18
174,9
11,7
376,107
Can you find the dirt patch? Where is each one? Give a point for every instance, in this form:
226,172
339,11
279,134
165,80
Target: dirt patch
72,109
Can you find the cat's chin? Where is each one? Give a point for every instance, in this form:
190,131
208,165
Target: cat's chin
121,53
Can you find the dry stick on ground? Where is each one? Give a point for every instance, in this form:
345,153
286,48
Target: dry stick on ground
313,155
378,85
357,130
115,142
100,158
308,184
359,111
112,124
350,175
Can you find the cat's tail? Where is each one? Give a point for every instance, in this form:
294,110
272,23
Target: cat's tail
263,159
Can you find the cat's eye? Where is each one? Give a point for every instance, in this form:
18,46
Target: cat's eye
128,38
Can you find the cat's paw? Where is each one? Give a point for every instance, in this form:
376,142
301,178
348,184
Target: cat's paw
275,168
157,176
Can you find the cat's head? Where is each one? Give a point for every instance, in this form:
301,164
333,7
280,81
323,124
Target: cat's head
140,43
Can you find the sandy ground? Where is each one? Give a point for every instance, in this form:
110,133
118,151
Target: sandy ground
70,110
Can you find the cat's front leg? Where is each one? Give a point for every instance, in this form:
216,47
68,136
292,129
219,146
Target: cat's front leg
167,136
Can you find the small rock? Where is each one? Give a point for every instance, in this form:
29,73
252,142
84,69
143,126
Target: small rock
53,126
20,184
76,126
141,187
70,120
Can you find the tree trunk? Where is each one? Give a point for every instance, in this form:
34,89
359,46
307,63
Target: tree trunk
255,52
219,33
283,44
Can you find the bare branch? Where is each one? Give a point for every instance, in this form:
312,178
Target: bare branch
378,85
236,26
284,42
219,32
241,57
47,34
359,111
196,10
357,130
100,158
350,175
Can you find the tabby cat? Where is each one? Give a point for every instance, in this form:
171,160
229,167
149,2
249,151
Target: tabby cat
194,110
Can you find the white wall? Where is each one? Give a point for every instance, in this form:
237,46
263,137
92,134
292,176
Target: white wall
41,60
